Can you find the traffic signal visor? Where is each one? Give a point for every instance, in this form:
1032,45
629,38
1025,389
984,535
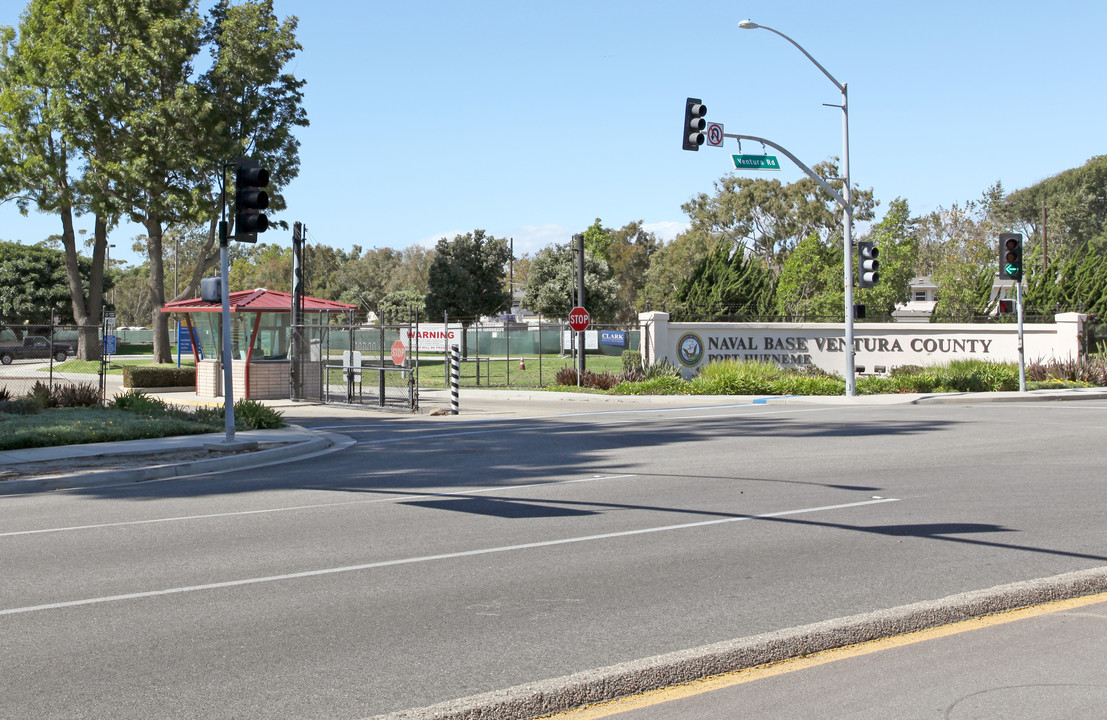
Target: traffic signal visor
868,267
694,124
1010,256
250,200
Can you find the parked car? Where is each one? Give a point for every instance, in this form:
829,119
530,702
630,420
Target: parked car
35,347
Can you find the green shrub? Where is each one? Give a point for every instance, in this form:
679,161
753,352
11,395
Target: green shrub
566,376
1091,369
796,384
139,402
5,394
252,415
41,395
83,395
661,385
148,376
20,406
598,381
632,361
662,368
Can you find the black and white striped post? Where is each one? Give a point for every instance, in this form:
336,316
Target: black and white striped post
455,377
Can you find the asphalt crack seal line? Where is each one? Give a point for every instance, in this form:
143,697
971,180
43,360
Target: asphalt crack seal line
592,687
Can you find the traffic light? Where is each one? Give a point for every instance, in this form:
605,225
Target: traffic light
250,200
868,266
1010,256
694,124
1006,307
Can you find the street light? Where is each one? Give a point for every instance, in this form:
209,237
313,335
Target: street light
847,211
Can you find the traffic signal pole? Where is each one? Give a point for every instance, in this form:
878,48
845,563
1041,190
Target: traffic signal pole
847,243
1022,351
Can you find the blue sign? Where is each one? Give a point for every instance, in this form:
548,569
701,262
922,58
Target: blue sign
184,339
613,337
109,344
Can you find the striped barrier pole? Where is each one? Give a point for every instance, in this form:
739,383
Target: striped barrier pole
455,377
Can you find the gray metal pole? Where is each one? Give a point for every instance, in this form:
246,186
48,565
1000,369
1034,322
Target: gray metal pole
579,238
847,219
228,374
1022,351
847,251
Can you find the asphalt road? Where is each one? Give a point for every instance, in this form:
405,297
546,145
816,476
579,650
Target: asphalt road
438,559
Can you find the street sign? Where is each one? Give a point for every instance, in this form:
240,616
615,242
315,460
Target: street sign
109,345
184,339
579,319
714,134
398,353
756,162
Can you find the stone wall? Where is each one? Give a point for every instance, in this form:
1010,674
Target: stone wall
878,347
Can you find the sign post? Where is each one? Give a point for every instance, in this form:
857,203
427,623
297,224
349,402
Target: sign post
578,321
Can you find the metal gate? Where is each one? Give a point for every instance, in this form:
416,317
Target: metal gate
365,364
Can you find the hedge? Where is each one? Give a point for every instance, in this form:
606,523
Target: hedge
138,376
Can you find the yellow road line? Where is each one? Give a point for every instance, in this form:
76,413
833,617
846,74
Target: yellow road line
738,677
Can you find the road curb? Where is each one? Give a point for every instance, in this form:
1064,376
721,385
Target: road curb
319,442
533,700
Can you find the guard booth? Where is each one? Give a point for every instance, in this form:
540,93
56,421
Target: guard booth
261,339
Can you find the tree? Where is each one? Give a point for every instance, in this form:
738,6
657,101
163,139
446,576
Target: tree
670,265
895,238
402,306
727,282
551,283
958,247
45,139
1075,203
102,113
598,240
467,277
770,218
629,255
262,266
35,284
810,283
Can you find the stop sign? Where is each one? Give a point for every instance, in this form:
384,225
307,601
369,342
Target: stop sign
398,352
579,319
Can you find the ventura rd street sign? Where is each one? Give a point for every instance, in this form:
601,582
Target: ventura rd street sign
756,162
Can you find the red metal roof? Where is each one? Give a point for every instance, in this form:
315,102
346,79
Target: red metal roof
260,300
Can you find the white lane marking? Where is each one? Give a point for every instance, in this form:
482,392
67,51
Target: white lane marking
425,558
293,508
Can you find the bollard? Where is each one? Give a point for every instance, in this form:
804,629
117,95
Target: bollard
455,377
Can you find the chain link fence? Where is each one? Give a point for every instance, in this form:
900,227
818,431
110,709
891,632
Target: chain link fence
36,354
360,364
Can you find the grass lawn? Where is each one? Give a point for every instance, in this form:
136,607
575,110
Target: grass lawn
115,367
506,373
69,426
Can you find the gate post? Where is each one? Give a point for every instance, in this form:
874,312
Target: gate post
455,377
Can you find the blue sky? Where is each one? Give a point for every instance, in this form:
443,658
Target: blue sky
531,119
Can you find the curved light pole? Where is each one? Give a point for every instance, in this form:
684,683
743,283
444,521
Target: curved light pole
847,209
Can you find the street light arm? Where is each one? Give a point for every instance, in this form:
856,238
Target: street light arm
810,173
752,25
